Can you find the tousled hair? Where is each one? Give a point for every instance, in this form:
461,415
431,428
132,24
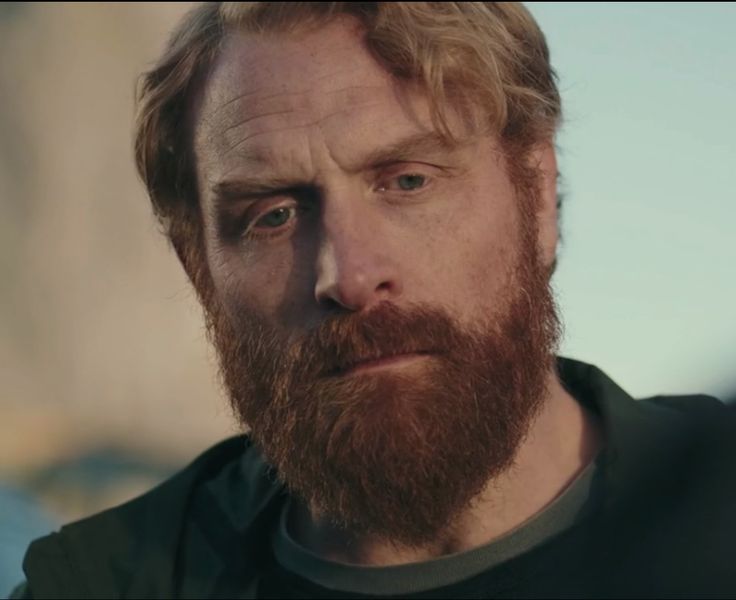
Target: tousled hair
491,56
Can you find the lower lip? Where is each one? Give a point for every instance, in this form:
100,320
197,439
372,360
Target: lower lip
381,363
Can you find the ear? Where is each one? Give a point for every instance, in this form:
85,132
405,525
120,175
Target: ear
544,159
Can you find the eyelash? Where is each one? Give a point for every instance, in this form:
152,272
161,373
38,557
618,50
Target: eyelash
252,233
394,178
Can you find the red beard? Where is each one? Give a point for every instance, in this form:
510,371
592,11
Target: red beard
394,453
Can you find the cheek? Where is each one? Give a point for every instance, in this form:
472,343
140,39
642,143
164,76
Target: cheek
246,284
478,255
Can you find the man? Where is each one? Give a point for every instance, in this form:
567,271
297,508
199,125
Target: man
364,198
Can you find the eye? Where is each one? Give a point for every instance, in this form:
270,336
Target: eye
275,218
411,181
406,182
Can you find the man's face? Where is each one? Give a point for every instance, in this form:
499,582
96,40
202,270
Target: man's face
340,229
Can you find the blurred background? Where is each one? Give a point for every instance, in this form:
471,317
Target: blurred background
106,382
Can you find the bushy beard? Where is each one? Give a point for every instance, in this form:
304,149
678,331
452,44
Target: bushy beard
394,453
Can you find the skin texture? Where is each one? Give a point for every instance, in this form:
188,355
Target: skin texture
325,195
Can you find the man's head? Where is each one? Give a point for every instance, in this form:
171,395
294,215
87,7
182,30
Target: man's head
345,182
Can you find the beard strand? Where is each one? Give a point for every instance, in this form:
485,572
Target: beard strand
393,454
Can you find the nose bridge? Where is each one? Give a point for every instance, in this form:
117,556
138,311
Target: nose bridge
355,268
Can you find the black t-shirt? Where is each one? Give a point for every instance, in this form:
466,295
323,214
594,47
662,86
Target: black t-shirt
571,507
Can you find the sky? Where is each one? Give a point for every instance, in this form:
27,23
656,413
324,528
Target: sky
646,280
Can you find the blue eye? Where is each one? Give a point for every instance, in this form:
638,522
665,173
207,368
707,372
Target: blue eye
275,218
410,181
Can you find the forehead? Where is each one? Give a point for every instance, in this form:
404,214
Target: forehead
270,95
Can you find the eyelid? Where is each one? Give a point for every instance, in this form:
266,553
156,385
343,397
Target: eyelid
250,231
394,174
256,214
267,205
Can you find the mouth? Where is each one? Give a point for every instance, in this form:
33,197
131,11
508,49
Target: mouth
382,362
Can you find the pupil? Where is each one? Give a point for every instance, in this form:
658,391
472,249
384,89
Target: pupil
409,182
276,217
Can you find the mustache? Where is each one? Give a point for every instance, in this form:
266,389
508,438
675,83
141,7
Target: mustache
341,342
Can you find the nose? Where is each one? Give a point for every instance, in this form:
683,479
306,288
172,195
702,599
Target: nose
355,267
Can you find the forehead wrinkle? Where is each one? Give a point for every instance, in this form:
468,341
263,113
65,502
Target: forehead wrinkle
265,159
258,155
228,103
250,154
246,64
235,136
228,73
217,126
247,120
261,155
345,95
215,112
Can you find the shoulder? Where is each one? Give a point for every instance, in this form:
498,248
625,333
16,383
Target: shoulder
700,404
675,531
709,422
695,435
138,546
21,592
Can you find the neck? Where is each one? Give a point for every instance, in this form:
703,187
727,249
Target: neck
563,439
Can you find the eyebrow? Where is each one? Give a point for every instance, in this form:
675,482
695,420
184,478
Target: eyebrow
410,148
252,188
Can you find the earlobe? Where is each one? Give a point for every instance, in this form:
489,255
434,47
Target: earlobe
545,160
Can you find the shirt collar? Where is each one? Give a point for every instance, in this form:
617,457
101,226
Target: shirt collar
641,436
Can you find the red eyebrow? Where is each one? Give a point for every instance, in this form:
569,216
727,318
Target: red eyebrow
244,189
409,148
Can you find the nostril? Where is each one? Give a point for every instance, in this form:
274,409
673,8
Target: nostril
329,304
